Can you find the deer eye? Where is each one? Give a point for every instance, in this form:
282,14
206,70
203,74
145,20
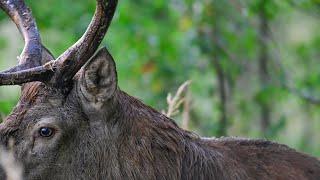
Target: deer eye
46,131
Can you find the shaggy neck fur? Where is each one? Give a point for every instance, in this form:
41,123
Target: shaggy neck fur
137,142
141,143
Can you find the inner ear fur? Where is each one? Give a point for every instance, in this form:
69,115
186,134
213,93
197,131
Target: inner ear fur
98,81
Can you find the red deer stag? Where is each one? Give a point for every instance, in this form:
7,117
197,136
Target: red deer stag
73,122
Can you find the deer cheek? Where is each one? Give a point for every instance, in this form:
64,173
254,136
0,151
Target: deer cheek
41,147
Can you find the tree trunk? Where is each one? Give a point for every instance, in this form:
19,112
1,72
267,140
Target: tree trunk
223,122
264,36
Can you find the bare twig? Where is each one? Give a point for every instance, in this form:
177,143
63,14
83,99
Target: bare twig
174,102
305,96
186,110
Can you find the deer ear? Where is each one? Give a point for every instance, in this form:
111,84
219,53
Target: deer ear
98,81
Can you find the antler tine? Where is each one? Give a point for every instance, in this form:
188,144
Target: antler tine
61,70
70,62
24,76
29,68
21,15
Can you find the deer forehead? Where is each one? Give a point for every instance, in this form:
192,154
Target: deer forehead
37,93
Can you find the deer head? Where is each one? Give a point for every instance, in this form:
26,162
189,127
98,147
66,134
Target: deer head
64,101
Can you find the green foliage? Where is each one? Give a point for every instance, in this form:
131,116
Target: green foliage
6,106
158,45
277,127
3,43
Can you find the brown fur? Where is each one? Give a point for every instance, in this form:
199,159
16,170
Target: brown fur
119,137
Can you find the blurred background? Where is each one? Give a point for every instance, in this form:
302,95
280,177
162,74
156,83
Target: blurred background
254,64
